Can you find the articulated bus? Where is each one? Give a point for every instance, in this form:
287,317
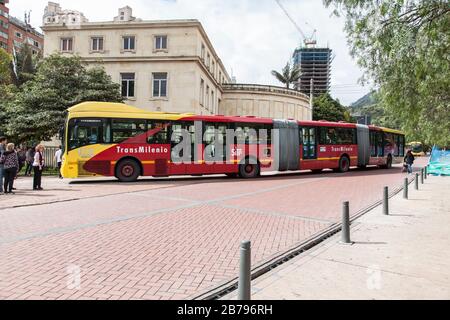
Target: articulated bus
113,139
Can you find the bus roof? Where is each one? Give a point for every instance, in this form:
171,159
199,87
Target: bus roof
111,109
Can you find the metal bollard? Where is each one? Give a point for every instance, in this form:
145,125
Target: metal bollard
416,182
386,201
244,271
346,223
426,172
405,189
421,176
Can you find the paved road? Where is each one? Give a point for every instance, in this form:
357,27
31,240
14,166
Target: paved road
401,256
163,238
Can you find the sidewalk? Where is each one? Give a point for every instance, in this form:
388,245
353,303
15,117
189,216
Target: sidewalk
401,256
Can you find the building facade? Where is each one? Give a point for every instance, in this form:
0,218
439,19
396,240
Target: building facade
168,65
4,25
22,32
315,65
14,32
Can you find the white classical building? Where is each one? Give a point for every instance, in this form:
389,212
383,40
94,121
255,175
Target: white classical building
165,65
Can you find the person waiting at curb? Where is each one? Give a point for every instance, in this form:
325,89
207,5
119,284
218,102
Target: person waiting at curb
30,159
58,158
10,162
3,142
409,160
38,166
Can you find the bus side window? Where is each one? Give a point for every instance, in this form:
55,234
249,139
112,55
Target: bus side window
158,132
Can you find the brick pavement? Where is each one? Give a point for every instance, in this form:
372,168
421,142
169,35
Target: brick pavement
165,238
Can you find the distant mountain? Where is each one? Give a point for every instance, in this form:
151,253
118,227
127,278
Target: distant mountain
367,100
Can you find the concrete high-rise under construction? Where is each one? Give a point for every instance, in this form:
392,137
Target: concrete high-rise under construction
315,64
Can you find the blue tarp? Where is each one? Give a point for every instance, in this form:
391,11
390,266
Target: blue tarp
439,163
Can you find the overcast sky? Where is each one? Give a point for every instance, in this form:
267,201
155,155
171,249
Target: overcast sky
252,37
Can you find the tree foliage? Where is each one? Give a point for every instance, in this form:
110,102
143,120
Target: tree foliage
37,110
5,65
288,75
404,46
327,108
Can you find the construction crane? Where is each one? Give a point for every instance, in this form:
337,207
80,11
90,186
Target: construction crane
309,42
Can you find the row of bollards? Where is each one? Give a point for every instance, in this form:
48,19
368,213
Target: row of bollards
244,282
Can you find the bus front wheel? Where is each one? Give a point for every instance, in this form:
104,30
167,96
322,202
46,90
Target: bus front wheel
344,164
249,170
127,170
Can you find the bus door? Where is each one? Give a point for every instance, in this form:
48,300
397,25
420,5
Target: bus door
182,146
309,150
215,146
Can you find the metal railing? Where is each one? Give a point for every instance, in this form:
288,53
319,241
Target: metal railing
49,157
263,88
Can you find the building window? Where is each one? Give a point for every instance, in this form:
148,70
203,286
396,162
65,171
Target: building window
202,91
213,69
212,101
207,60
19,35
202,54
129,43
3,35
97,44
66,44
220,77
159,84
160,42
3,24
128,82
207,98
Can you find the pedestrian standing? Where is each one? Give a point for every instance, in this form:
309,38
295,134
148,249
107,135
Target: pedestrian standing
409,160
10,162
3,142
30,159
21,154
58,158
38,166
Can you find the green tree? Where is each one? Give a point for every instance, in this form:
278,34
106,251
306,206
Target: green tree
5,67
26,65
327,108
39,107
404,47
288,75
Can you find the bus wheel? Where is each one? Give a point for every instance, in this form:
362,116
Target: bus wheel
344,164
249,170
127,170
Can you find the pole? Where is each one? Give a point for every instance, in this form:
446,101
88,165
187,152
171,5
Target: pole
426,172
244,271
405,189
386,201
311,93
421,176
346,223
416,182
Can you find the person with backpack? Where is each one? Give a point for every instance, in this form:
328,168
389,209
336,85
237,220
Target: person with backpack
409,160
10,162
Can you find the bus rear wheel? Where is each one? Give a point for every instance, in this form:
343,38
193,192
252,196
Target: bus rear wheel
127,170
249,170
344,164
